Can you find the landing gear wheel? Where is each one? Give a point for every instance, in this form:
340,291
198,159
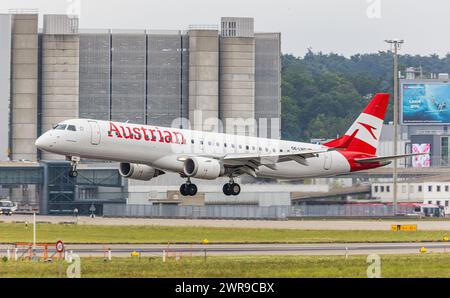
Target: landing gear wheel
74,160
226,189
192,189
188,189
235,189
183,189
73,173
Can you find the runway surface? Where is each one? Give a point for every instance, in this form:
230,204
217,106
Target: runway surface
310,224
185,250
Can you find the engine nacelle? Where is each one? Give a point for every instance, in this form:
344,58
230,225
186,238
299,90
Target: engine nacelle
203,168
138,171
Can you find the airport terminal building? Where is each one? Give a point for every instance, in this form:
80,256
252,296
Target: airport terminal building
59,72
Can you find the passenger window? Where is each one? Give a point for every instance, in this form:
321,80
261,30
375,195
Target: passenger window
71,128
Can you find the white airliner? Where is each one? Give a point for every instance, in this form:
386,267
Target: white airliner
145,151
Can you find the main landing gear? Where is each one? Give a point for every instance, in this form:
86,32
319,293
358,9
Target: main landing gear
188,188
74,160
231,188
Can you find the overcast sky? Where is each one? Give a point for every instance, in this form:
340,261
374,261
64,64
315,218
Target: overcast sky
341,26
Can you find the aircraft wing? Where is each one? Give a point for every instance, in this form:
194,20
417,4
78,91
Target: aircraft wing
385,158
240,158
248,162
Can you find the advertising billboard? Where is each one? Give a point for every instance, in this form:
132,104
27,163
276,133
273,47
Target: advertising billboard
421,161
425,103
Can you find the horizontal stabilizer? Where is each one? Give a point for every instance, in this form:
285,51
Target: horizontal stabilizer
343,142
385,158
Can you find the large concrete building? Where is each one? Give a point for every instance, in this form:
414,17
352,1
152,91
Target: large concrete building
59,73
24,86
204,78
237,76
5,82
223,79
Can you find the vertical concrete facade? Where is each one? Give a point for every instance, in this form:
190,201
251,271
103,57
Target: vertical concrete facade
24,84
185,79
5,83
128,77
164,78
204,79
95,73
237,85
268,84
59,80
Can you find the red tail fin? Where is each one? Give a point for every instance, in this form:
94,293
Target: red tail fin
364,134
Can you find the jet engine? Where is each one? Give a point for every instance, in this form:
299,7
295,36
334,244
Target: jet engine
138,171
203,168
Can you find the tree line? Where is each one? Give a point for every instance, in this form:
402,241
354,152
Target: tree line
322,94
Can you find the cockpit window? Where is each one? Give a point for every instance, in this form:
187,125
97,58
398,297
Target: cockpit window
72,128
61,126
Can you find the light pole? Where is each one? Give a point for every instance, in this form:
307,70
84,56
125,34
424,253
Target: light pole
34,235
395,45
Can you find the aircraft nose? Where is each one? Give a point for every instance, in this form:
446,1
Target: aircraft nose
42,142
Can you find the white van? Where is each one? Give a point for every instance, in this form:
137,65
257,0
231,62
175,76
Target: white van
7,207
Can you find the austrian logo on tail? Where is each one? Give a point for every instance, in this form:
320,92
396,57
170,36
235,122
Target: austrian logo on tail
370,129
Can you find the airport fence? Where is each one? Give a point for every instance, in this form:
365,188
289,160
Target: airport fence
250,211
210,211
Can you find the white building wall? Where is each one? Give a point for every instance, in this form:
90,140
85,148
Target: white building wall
426,192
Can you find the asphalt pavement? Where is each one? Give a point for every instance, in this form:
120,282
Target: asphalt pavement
186,250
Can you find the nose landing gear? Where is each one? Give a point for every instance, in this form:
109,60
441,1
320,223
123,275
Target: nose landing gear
188,188
74,160
231,188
